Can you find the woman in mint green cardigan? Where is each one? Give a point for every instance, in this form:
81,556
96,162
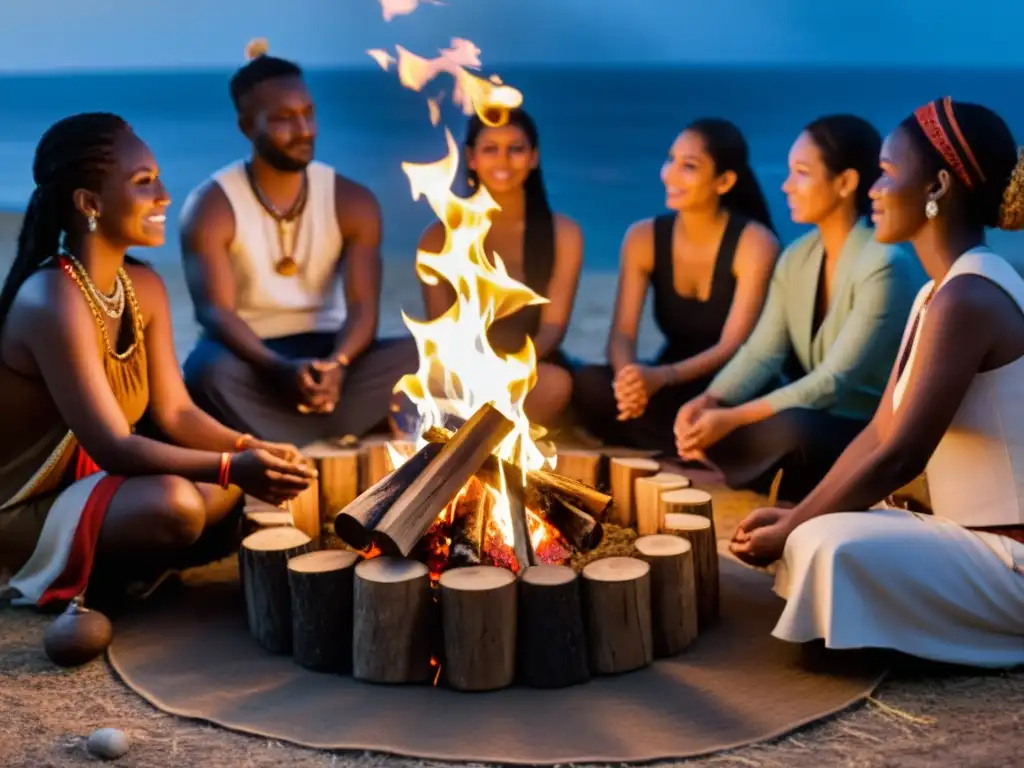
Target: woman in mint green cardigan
811,374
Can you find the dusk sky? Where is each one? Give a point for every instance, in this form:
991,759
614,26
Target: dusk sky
120,34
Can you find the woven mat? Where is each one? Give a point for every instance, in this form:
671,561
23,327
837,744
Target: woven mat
192,656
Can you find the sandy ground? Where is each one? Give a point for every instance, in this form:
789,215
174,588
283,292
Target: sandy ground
922,716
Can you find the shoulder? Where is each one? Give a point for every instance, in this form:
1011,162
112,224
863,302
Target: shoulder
568,235
794,255
354,199
432,239
756,243
973,303
149,288
207,206
48,299
638,242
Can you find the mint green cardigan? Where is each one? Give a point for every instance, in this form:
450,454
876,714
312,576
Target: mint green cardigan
849,359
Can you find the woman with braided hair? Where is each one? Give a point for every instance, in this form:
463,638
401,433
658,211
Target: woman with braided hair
949,586
85,352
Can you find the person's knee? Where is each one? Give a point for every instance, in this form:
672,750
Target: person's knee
180,513
557,386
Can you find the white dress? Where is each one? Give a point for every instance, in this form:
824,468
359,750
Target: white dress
921,584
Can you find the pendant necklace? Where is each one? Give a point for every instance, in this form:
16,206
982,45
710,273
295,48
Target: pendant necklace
288,223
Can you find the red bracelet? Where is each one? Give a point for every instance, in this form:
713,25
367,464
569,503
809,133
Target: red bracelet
242,442
224,475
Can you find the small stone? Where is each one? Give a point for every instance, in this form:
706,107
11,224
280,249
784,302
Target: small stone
107,743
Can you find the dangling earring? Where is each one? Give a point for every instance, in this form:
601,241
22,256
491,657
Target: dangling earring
472,182
931,209
91,222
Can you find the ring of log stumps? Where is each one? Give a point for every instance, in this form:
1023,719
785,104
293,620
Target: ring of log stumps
376,615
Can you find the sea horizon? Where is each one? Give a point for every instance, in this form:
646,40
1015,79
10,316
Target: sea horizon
604,129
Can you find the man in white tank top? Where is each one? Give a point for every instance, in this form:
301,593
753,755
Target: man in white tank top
282,257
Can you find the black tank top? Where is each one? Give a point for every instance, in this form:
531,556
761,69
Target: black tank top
509,334
691,326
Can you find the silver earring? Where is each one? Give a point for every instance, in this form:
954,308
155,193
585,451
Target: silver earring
91,222
931,209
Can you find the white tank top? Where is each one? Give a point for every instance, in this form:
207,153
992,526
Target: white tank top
274,305
976,474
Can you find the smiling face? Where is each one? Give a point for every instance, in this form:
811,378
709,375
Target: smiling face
280,121
812,191
899,197
131,205
691,180
502,158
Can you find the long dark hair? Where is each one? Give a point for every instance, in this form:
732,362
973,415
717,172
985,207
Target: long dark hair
728,149
539,238
845,142
74,153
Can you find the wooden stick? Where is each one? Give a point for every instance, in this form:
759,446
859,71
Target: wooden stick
578,528
321,590
478,607
700,532
391,621
552,642
460,458
624,472
648,499
263,565
521,543
617,606
589,499
673,593
580,465
355,523
468,526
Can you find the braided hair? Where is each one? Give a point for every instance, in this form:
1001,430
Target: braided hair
76,152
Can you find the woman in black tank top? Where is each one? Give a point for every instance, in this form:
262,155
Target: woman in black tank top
708,264
540,248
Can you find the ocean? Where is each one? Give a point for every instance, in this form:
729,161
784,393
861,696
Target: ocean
604,133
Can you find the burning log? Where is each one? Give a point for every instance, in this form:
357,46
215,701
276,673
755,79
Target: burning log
391,621
460,458
355,523
521,544
578,528
624,472
700,532
478,607
582,496
617,605
321,594
673,594
263,562
552,641
648,492
582,466
469,524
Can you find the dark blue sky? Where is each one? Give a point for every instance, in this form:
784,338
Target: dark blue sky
60,34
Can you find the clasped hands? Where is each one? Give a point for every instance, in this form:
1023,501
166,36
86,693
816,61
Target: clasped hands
700,424
314,385
634,385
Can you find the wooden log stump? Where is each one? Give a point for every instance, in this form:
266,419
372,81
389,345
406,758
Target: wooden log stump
263,562
700,532
617,606
624,472
391,621
673,592
258,515
478,608
339,478
581,465
552,643
648,499
321,590
305,510
687,501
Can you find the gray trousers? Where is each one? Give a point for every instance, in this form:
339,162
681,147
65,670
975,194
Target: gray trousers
235,393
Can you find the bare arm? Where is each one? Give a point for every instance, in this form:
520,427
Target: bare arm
54,321
439,297
359,216
169,403
755,259
959,331
635,265
561,292
207,229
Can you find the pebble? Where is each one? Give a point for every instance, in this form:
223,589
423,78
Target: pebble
107,743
